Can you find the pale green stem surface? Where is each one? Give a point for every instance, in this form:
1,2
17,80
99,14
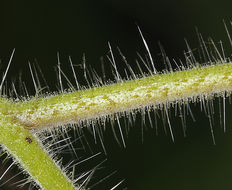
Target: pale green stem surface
17,118
124,96
30,154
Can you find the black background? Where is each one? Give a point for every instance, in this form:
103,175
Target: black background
40,29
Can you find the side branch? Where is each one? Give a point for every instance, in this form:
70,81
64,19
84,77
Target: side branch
31,157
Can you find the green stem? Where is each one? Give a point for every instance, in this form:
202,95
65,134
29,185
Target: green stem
25,149
17,118
124,96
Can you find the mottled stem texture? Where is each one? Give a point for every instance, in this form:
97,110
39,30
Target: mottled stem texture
20,118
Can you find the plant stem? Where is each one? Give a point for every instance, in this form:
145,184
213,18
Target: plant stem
17,118
31,157
155,90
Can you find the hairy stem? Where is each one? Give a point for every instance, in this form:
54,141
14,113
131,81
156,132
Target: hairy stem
18,118
26,151
98,102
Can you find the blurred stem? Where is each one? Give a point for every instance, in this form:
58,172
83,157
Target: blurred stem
31,157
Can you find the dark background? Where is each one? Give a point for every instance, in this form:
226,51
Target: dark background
40,29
